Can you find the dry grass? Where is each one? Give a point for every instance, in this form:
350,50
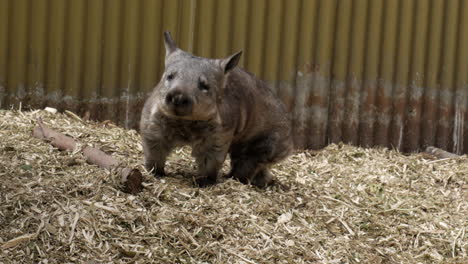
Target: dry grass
345,205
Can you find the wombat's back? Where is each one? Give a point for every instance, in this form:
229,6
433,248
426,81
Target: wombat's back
251,107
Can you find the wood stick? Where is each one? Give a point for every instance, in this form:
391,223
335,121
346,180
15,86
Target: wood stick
57,140
100,158
130,178
440,153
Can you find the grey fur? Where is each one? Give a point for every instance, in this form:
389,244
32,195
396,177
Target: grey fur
217,108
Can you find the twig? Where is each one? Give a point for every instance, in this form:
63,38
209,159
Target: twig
130,178
27,237
351,232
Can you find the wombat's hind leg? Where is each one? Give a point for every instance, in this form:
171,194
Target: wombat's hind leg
243,169
250,161
205,181
263,178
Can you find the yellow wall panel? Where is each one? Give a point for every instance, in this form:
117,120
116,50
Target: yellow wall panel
367,72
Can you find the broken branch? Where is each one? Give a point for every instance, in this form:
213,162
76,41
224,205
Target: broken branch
130,178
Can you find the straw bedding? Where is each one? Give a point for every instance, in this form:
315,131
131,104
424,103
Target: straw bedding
342,204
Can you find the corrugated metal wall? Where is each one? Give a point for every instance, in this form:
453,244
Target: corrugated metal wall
369,72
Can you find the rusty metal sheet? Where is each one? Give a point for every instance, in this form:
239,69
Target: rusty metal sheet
370,73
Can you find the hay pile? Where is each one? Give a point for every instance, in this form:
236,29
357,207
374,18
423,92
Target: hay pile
345,205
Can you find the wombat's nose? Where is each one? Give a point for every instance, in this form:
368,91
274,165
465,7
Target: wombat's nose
177,98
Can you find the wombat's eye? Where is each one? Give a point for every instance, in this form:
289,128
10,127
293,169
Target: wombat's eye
203,86
170,77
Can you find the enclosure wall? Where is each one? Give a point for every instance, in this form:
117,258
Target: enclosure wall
369,72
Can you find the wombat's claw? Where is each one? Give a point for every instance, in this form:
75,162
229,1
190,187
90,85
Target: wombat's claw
242,179
158,173
205,182
279,185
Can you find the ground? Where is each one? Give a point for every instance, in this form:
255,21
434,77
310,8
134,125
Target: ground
343,204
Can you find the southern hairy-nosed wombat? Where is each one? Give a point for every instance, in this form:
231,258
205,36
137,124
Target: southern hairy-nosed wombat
217,108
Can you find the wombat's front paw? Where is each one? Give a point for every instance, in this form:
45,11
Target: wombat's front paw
157,172
205,182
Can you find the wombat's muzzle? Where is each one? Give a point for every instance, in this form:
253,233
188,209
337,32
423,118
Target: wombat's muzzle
180,103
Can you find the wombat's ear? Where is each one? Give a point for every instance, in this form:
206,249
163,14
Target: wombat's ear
231,62
169,43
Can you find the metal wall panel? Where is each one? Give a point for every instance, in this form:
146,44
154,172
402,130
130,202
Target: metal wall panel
367,72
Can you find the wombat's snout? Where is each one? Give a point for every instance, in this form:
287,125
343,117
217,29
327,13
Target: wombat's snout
177,98
180,102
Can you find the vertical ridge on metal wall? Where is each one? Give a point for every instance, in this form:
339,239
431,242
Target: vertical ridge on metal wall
461,83
318,99
271,49
55,52
17,45
130,61
254,39
111,59
4,28
73,54
412,133
386,74
400,89
37,60
339,71
370,78
446,89
433,55
204,29
286,69
304,78
150,47
239,28
92,70
271,35
223,29
355,72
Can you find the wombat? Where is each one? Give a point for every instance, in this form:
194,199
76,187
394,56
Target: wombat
217,108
